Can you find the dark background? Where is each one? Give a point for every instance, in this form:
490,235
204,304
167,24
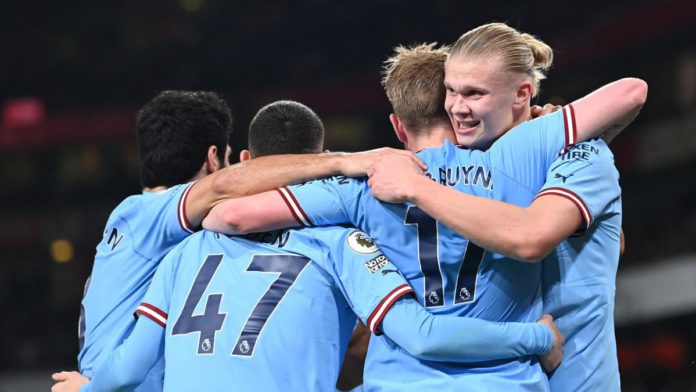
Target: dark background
73,75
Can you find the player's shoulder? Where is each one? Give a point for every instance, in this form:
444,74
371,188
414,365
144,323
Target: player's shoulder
594,151
336,181
323,234
127,210
447,154
446,148
199,243
148,203
339,237
193,241
129,203
164,196
524,131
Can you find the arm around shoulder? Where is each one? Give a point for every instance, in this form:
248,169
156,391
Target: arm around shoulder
262,212
526,234
461,339
130,364
270,172
609,109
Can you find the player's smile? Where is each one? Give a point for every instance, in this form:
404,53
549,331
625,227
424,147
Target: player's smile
478,100
466,126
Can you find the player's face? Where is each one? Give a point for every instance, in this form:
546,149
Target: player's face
479,101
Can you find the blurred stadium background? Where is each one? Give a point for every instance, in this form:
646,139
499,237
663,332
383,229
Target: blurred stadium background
74,73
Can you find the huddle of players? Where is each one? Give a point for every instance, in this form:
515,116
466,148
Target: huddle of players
244,310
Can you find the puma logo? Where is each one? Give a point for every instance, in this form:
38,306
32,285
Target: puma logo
559,175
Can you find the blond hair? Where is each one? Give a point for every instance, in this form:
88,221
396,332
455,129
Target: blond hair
413,79
518,52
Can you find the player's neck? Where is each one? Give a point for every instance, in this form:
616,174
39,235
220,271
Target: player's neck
431,139
155,188
201,173
521,116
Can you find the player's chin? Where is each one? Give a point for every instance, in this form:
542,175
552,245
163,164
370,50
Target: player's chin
469,137
467,140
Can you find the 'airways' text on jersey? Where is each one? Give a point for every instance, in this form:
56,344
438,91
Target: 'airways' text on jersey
475,175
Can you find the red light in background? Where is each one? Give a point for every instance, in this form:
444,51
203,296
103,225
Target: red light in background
668,352
23,112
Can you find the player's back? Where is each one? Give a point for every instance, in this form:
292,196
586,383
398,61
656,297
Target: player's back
138,234
579,276
470,281
263,315
449,274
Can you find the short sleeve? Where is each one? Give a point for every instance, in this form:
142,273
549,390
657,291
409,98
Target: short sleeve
368,280
585,174
155,303
320,202
524,154
162,220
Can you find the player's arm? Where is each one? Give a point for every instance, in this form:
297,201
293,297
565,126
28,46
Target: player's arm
351,374
463,339
381,297
125,368
526,234
575,191
266,173
130,364
262,212
315,203
521,233
609,109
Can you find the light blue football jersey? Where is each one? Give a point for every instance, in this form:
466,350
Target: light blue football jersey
579,278
267,316
451,276
138,234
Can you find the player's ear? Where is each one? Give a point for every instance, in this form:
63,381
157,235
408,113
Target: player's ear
398,128
212,164
523,93
244,155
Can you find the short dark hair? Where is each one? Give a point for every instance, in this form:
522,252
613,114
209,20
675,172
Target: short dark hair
174,132
285,127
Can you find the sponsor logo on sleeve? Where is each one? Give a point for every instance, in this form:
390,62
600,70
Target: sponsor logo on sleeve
579,152
377,263
564,178
361,243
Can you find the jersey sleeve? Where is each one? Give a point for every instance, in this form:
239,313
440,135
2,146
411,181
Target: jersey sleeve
524,154
155,303
585,174
131,362
163,220
321,202
368,280
461,339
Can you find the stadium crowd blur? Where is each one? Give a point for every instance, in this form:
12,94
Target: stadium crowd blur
73,75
